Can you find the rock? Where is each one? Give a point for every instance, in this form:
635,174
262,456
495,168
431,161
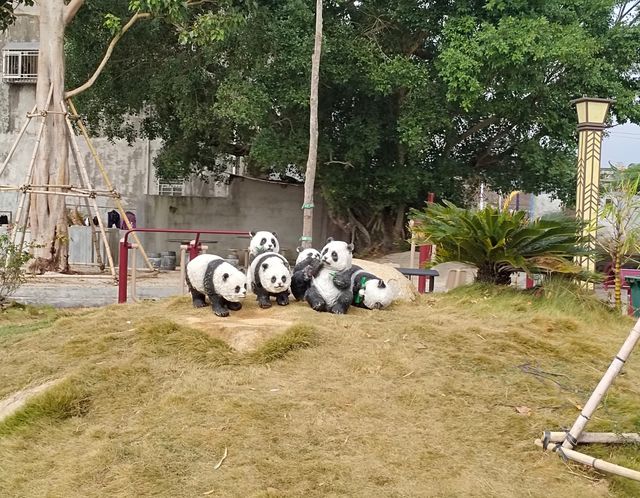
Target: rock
402,285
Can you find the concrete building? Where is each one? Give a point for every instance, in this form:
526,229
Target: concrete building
239,203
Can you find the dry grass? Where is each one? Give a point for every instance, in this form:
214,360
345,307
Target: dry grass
416,400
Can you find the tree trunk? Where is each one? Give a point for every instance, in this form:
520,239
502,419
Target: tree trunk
617,282
489,274
310,173
48,216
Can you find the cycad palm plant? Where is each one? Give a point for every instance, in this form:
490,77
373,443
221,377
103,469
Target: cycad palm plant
500,242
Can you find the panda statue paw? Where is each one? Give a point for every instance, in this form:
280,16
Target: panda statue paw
282,299
264,302
199,303
234,306
221,312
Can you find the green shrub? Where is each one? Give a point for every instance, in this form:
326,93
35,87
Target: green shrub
500,242
12,273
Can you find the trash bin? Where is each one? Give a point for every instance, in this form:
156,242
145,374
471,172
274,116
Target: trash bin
634,290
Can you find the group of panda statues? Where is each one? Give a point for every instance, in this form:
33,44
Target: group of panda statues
325,279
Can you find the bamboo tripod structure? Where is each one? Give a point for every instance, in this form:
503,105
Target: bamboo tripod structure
564,443
85,190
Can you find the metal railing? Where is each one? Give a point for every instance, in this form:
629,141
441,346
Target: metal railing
194,249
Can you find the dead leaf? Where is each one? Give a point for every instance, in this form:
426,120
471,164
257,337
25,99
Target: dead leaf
523,410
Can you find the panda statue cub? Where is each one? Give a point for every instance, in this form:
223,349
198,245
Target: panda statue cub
369,291
330,290
211,276
270,275
307,265
263,241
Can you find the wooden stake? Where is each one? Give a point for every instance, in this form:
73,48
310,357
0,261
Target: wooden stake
26,198
15,144
107,181
85,176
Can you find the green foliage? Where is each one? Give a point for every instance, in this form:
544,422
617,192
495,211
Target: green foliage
12,261
412,99
7,12
619,219
294,338
500,242
66,399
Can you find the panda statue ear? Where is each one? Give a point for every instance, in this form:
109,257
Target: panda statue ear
350,247
225,277
252,233
274,234
381,284
299,250
265,266
330,239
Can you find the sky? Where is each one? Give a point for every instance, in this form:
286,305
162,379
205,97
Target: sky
622,145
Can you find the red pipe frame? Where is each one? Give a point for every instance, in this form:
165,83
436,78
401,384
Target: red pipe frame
194,249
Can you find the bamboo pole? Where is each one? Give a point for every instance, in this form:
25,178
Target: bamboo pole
107,181
26,198
15,144
87,181
602,387
593,437
95,241
596,463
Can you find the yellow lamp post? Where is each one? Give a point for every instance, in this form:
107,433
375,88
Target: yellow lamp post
592,113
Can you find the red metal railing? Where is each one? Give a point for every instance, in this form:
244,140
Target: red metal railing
195,247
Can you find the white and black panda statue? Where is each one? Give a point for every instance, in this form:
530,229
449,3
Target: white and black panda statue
270,275
369,291
307,265
263,241
211,276
330,290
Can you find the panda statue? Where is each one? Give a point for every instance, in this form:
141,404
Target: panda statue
270,275
369,291
330,289
211,276
263,241
307,265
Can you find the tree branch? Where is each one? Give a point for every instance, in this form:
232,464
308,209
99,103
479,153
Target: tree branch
105,59
476,128
71,10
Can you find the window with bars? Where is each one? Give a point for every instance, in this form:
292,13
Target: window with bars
173,187
20,65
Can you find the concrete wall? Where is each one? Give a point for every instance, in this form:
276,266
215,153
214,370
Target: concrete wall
251,205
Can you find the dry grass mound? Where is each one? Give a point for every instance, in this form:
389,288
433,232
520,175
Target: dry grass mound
441,397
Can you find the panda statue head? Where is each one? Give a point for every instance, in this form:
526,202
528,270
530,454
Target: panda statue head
307,254
263,241
275,275
375,294
337,255
230,283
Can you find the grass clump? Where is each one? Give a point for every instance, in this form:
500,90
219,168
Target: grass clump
299,336
167,338
66,399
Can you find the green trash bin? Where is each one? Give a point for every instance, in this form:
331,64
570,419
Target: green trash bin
634,288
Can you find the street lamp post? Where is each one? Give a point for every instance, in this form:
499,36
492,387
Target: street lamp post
592,113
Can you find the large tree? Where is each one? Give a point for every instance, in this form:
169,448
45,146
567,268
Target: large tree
48,216
416,97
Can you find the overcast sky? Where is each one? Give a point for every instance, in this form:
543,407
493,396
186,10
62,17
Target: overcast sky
622,145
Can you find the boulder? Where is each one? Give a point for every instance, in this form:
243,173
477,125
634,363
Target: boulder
405,291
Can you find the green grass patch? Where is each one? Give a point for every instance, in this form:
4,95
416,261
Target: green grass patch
299,336
167,338
66,399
